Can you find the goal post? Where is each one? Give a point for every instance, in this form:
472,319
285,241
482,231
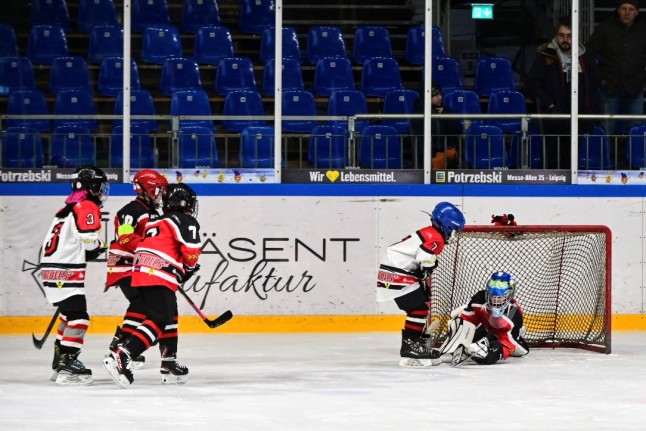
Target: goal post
563,276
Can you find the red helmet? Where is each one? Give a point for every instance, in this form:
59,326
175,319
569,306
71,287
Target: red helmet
149,184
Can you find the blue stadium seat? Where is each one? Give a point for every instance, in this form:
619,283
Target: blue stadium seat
379,76
22,147
485,148
8,42
197,148
371,41
159,43
141,148
191,102
298,103
507,102
46,42
256,16
594,150
69,73
292,76
212,44
199,13
111,76
105,41
380,147
464,102
346,103
446,72
141,103
71,146
399,102
333,74
636,148
493,74
291,47
235,73
149,13
16,73
50,12
92,13
75,102
535,146
324,42
179,73
257,147
328,147
239,103
414,50
28,102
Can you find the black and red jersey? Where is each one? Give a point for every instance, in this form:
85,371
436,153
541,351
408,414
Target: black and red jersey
171,245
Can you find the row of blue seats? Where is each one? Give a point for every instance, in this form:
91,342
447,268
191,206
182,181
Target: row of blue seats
47,41
255,15
379,147
378,76
196,103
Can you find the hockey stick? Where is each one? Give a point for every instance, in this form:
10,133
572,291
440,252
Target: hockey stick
39,343
211,323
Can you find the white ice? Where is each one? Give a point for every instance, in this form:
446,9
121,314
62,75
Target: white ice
328,382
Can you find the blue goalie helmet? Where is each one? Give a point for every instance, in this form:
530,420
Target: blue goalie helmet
447,218
499,293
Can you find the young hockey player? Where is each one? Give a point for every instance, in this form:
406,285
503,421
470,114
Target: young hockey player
165,258
129,224
72,240
402,277
489,328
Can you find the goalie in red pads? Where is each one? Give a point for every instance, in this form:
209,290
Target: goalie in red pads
489,328
402,278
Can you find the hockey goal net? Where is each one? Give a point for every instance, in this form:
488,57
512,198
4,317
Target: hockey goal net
563,275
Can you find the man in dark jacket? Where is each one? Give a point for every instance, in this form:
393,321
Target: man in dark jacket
619,44
549,83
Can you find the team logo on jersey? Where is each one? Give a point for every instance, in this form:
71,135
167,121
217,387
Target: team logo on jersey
154,262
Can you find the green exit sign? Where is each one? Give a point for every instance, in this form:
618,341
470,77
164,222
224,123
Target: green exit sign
482,11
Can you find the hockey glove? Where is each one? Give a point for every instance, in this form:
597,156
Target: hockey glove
188,272
479,349
91,255
426,268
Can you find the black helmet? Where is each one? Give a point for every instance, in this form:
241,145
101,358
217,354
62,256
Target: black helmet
180,197
94,180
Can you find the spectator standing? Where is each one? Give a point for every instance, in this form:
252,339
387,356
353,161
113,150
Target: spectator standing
549,83
619,46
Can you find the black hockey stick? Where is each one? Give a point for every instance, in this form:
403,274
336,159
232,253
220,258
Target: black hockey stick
39,343
211,323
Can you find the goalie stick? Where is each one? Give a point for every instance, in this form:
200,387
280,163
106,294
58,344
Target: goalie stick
211,323
39,343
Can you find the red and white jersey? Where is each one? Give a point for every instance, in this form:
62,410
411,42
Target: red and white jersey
399,271
505,327
121,254
170,245
74,230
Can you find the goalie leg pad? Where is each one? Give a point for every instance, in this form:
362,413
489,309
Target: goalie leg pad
461,333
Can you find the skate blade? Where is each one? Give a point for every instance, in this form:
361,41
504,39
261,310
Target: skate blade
171,379
54,376
415,363
119,379
138,365
67,379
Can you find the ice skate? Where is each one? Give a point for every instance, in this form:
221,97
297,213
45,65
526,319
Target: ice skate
173,373
119,365
415,352
117,340
71,371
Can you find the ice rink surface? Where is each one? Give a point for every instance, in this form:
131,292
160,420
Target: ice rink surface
328,382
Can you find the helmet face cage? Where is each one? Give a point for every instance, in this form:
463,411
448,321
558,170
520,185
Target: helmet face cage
94,181
150,185
499,292
447,218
